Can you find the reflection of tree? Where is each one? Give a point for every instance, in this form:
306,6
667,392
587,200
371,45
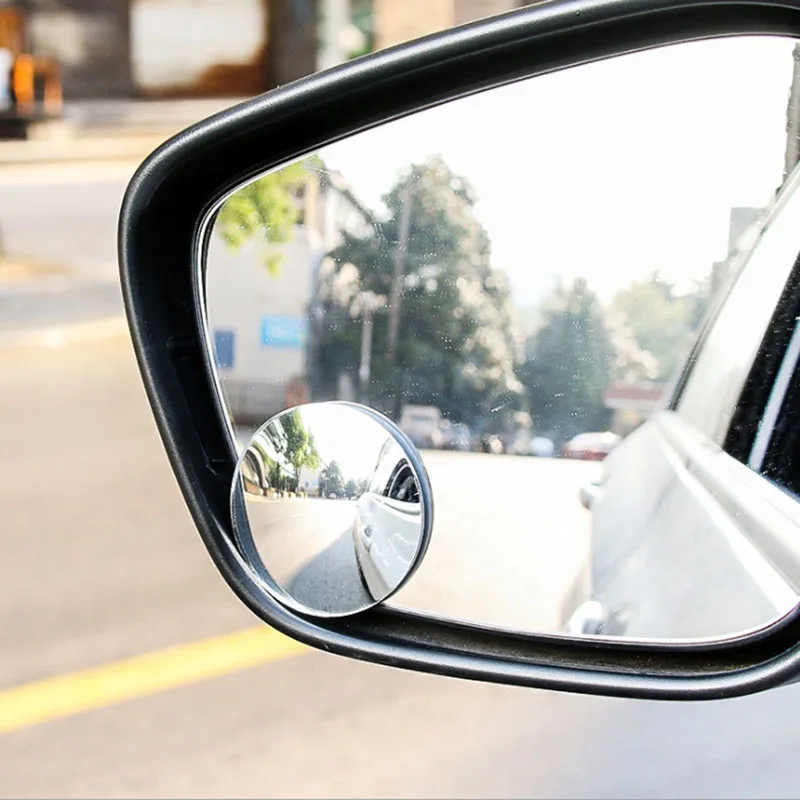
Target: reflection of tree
266,210
457,343
301,450
277,477
286,446
569,362
662,320
331,480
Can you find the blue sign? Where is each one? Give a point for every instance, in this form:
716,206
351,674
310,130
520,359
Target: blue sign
283,331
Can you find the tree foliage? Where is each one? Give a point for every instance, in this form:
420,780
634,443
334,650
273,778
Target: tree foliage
266,211
287,447
662,320
331,480
300,449
568,364
458,343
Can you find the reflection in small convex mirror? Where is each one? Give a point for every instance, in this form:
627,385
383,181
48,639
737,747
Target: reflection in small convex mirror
333,505
513,278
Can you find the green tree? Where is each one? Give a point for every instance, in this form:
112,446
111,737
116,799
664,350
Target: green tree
266,210
292,447
568,364
331,480
458,345
662,320
350,488
300,449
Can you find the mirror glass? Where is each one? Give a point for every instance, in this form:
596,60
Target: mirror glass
329,503
517,279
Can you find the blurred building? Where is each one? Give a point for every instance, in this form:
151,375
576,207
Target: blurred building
89,39
259,322
308,480
217,48
395,22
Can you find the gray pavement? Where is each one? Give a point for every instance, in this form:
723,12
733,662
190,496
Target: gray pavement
64,217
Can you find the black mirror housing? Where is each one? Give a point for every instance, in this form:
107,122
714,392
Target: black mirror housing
161,234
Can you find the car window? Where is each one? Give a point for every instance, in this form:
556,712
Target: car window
776,450
388,458
728,351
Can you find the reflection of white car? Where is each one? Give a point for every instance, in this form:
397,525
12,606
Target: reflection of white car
387,528
387,536
542,447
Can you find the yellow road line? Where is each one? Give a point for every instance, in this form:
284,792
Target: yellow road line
64,695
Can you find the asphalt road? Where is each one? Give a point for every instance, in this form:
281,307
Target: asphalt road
64,212
62,216
100,562
307,547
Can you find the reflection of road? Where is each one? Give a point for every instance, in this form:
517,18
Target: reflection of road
100,562
510,539
307,547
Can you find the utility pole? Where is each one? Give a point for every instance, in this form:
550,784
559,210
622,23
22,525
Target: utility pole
370,303
400,254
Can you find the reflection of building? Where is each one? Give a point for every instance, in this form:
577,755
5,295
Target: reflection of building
631,404
308,480
258,321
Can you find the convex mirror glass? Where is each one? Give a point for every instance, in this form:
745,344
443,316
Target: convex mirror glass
334,507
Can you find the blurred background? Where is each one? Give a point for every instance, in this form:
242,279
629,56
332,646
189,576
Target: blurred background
127,667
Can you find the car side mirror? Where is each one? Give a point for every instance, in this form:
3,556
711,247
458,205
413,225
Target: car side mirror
329,348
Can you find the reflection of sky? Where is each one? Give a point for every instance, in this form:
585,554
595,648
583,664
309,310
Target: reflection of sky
609,170
347,436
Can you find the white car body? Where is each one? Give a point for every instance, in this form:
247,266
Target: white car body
387,536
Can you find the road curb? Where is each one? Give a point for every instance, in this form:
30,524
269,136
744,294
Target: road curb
65,334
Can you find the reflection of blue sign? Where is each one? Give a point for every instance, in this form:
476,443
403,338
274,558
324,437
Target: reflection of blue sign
224,348
283,331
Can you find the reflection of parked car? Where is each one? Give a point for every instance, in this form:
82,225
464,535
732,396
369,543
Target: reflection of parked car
542,447
422,424
387,528
591,446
